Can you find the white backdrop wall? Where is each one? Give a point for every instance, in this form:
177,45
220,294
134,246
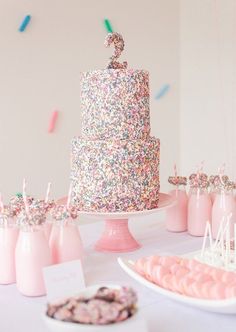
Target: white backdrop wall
208,84
39,72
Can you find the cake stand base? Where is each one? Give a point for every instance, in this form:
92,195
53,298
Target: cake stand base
116,237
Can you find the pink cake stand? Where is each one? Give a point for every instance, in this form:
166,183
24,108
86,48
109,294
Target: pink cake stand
116,236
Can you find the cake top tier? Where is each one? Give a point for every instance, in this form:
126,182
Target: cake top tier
115,101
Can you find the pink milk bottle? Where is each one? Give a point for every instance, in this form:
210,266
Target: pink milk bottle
224,206
31,256
176,216
65,242
8,238
199,205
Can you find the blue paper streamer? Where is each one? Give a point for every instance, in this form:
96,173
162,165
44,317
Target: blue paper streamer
164,89
24,23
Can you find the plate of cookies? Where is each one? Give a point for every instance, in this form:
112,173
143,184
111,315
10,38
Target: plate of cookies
97,308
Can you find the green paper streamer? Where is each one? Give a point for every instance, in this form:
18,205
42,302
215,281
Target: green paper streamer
108,25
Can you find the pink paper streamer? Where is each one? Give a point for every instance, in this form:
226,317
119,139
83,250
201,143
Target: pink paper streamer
52,122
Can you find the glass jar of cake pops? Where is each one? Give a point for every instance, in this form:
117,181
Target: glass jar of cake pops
8,238
224,205
32,253
65,242
176,216
199,204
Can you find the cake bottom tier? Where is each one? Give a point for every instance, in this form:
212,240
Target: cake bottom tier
112,176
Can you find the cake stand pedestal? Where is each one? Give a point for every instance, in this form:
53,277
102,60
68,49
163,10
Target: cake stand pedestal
116,236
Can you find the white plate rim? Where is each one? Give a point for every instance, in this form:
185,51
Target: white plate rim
126,265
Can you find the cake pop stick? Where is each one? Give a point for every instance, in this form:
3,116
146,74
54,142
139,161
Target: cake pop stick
227,247
175,170
221,172
201,166
207,234
25,198
176,175
220,230
48,192
1,204
198,189
234,243
69,197
224,234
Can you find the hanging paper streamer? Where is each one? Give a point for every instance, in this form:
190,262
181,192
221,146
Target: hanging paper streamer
24,23
108,25
162,91
52,122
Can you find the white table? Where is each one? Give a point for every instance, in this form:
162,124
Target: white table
22,314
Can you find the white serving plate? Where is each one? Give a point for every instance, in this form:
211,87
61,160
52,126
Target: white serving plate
127,325
227,306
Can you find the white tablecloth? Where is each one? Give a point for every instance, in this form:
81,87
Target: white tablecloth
22,314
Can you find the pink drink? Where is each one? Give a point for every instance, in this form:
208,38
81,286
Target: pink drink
32,255
199,211
213,196
223,206
176,216
8,239
65,243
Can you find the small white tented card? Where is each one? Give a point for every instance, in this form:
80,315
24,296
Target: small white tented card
63,280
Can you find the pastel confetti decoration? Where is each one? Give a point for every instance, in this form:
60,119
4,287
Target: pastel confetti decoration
24,23
162,91
108,25
52,122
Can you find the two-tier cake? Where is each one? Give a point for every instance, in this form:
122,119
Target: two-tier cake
115,163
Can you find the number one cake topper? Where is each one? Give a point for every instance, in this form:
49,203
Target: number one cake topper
118,41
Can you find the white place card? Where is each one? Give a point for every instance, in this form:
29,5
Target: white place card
63,280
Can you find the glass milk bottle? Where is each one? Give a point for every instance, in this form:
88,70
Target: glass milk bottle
8,238
65,242
199,207
224,206
176,216
32,255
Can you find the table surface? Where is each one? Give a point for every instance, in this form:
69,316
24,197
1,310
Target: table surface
19,313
